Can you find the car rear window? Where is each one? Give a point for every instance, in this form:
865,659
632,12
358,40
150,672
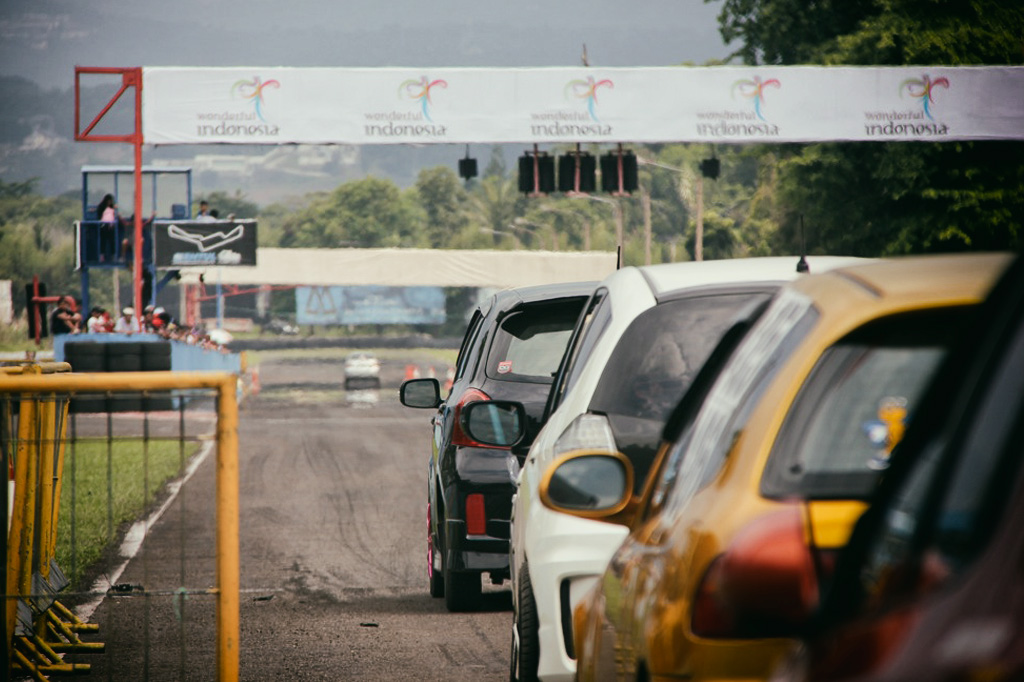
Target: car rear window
529,343
856,404
660,353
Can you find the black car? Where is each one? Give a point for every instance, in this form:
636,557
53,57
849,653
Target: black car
512,347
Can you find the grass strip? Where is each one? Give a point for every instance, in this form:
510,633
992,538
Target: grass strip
107,497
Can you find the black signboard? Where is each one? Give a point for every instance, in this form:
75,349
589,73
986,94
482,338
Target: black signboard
182,243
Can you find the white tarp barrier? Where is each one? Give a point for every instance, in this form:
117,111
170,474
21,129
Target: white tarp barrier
412,267
730,104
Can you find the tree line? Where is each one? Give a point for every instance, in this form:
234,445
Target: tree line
862,199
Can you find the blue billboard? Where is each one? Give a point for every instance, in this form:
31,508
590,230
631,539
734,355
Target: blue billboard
369,305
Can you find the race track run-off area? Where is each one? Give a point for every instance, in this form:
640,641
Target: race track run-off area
332,551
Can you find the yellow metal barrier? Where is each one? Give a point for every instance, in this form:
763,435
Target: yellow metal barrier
32,576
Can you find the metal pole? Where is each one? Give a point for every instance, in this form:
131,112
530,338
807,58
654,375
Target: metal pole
645,198
138,257
220,299
698,249
227,532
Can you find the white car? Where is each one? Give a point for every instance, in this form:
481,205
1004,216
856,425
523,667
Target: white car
639,341
362,368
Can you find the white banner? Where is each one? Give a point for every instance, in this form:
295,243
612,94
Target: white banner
729,104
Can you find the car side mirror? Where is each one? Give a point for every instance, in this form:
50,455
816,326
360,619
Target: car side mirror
590,484
500,423
765,584
420,393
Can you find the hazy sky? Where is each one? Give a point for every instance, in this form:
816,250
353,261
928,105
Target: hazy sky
43,40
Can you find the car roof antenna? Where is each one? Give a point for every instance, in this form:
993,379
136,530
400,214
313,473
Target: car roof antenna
801,265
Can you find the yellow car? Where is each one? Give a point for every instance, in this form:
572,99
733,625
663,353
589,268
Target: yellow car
778,444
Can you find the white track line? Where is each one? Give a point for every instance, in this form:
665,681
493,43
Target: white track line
137,533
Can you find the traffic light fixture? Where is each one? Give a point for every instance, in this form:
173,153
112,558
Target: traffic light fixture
577,172
610,165
710,168
536,173
467,167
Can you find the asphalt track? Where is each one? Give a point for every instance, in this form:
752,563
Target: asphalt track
332,548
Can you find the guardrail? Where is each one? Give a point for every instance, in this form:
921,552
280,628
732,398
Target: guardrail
39,439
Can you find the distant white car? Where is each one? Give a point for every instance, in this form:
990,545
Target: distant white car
362,368
637,346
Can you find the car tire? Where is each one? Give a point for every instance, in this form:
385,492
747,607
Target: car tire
461,591
525,661
436,578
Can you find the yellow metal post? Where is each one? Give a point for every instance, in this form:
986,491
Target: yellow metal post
227,532
26,477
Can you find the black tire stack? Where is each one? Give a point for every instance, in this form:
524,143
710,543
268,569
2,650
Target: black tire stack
84,356
131,356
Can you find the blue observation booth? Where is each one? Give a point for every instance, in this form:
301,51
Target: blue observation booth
166,195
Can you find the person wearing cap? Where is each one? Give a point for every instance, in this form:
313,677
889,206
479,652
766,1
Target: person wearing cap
127,323
96,323
147,319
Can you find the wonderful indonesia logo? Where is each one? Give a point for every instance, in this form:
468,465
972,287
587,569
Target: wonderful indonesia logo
749,121
577,121
416,123
248,118
916,121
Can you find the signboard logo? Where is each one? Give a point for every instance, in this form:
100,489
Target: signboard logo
573,123
913,122
587,90
754,90
195,243
409,124
206,242
741,123
419,90
253,91
922,88
240,122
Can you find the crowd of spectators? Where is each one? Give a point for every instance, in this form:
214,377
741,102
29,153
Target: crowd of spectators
65,319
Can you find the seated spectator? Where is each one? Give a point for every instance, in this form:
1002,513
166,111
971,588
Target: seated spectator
65,319
97,322
127,323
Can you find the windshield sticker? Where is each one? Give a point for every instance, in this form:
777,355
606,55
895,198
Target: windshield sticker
886,431
504,367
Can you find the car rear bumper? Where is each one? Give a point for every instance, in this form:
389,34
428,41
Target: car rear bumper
475,553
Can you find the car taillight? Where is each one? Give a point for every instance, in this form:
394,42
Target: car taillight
712,617
459,436
765,584
586,432
476,518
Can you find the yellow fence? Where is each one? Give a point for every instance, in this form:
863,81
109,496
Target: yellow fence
39,631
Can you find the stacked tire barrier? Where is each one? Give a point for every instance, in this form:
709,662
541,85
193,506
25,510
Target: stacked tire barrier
129,356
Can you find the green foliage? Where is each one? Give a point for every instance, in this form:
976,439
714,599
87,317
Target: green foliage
442,197
887,198
364,213
36,238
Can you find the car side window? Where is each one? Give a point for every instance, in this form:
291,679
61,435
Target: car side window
698,455
529,343
853,408
589,328
943,515
467,344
